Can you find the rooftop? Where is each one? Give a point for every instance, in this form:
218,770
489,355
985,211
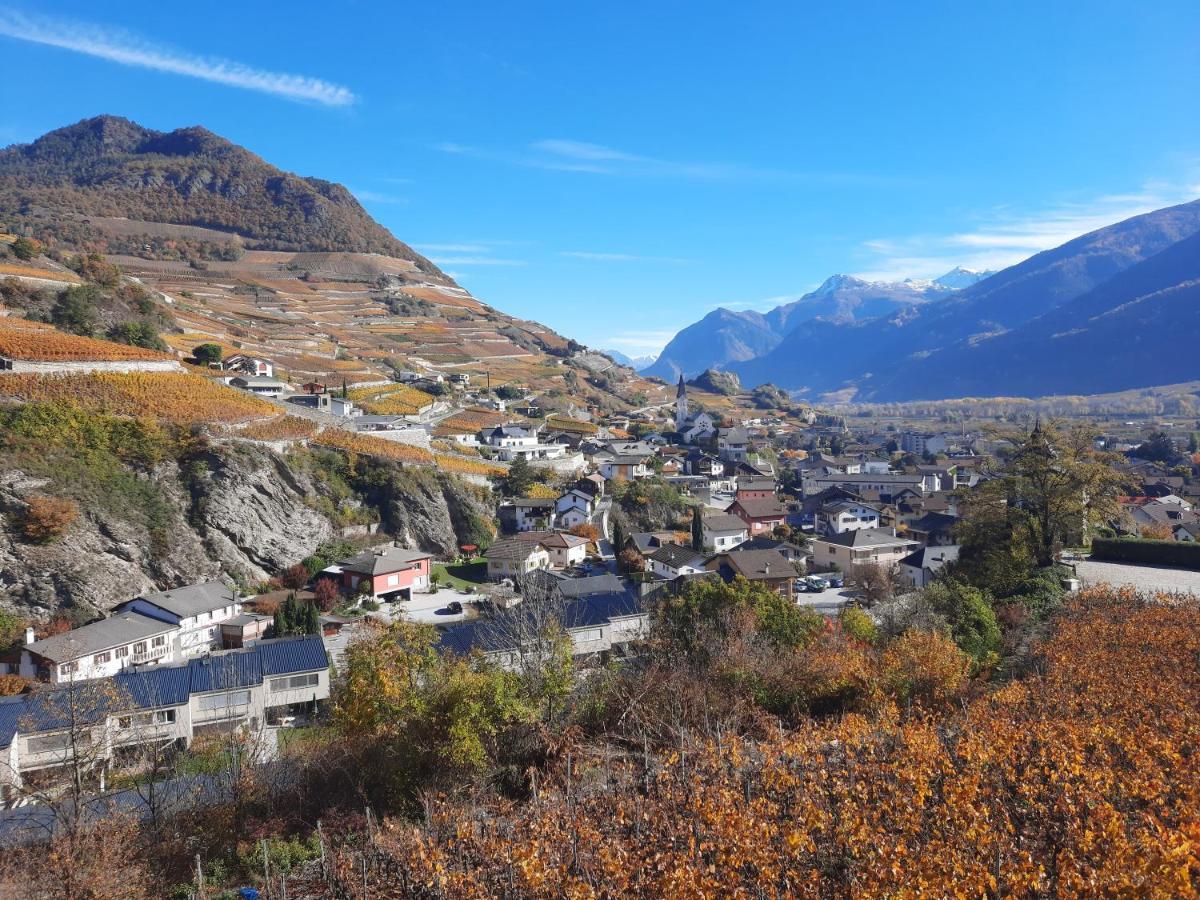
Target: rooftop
115,631
193,599
867,537
383,560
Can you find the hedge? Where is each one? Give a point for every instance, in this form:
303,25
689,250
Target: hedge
1185,555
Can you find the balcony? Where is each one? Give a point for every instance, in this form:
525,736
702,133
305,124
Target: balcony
150,654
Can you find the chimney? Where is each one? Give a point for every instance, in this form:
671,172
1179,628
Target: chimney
30,637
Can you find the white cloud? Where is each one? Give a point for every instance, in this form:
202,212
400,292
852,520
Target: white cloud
129,49
1003,237
564,155
619,257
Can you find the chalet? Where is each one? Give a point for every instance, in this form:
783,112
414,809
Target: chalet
249,365
933,529
766,567
155,629
846,515
565,549
513,558
673,560
261,385
646,542
733,443
527,514
755,488
723,532
760,516
625,468
389,573
922,566
864,545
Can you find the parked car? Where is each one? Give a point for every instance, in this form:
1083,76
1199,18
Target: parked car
836,580
454,607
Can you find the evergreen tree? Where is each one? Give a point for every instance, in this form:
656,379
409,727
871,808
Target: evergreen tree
697,529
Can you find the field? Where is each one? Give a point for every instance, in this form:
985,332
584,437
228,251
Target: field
182,399
285,428
391,400
35,341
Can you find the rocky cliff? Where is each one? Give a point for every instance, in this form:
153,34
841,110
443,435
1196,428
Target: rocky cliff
236,512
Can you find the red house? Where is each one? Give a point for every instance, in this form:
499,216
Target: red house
392,572
760,515
756,489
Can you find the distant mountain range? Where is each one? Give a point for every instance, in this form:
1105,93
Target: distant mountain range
726,337
111,167
634,362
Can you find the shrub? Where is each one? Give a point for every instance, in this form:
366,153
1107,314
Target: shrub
858,625
1186,555
47,518
924,668
26,248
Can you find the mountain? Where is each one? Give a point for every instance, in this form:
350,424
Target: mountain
634,362
958,278
725,337
863,359
111,167
1137,329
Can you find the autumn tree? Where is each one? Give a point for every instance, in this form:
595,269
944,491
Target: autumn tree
26,248
326,594
874,581
47,518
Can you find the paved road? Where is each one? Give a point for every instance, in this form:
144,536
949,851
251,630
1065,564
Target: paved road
1143,578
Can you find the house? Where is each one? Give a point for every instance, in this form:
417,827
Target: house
723,532
755,488
625,468
933,529
733,444
793,553
699,463
864,545
155,629
314,387
260,385
597,624
527,514
646,542
389,573
846,515
196,611
566,550
672,560
244,630
249,688
884,486
760,516
249,365
920,567
337,406
766,567
514,558
99,650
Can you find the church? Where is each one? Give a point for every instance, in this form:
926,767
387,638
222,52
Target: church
693,429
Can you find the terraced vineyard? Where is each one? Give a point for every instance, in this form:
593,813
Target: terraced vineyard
177,398
36,341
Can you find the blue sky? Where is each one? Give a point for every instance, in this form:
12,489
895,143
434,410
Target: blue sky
617,170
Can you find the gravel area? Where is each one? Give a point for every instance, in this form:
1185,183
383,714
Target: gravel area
1143,578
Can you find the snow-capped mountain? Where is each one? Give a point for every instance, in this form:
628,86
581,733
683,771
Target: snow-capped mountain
958,278
727,336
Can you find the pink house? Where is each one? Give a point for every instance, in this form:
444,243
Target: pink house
393,572
760,516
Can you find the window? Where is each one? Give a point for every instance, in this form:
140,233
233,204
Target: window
221,701
101,658
68,668
46,742
122,652
158,717
158,642
139,647
295,682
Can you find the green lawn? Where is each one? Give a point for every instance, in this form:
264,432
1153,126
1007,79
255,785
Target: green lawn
462,575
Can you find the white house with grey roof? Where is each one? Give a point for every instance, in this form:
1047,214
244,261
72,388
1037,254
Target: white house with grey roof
154,629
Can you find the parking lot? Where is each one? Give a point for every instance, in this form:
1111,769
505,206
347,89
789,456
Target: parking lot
1143,578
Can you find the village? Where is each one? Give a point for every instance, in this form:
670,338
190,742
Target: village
597,518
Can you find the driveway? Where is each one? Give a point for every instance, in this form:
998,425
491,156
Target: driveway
430,609
1143,578
828,602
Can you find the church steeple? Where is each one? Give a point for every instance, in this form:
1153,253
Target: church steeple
681,405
